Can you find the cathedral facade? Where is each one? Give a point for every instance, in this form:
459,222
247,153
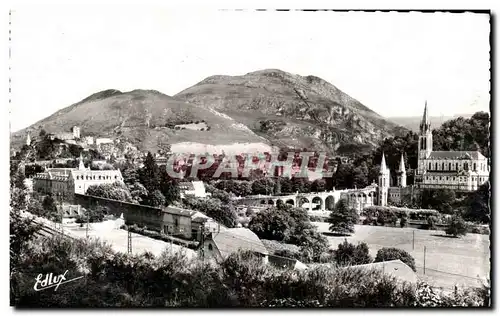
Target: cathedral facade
455,170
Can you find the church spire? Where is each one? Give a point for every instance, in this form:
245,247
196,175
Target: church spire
425,124
383,166
402,165
81,166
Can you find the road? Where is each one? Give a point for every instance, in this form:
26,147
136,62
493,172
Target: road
109,232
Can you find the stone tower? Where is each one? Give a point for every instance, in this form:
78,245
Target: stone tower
424,142
402,173
76,132
383,182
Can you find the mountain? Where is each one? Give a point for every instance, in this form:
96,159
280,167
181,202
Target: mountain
413,122
234,114
140,117
292,110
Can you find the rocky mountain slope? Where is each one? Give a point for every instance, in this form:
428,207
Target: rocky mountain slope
147,119
292,110
257,110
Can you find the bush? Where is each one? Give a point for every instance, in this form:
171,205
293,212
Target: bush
368,220
403,222
456,227
347,254
431,222
388,254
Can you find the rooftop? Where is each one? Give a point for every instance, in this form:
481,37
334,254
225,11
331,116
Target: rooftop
456,155
233,239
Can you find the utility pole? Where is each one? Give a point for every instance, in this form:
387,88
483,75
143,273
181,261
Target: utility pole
413,239
202,243
424,257
129,241
87,228
61,195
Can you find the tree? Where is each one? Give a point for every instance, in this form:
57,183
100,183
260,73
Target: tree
42,133
478,204
114,191
264,186
301,185
49,204
439,199
347,254
318,185
150,173
343,218
156,199
456,226
138,192
273,224
388,254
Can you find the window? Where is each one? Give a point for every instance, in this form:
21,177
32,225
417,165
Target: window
466,166
210,247
442,166
456,166
474,166
449,166
436,166
430,166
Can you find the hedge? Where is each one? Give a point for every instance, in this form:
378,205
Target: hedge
400,212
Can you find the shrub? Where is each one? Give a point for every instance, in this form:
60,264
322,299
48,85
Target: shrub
381,219
368,220
347,254
456,227
403,222
388,254
431,222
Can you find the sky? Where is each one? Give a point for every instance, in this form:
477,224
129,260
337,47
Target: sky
391,62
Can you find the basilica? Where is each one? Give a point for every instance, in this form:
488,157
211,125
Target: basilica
455,170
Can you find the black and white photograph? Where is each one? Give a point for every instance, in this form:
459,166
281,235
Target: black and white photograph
223,158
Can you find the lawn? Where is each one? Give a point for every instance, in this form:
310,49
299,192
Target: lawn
448,261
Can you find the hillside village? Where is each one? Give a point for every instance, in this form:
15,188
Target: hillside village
106,188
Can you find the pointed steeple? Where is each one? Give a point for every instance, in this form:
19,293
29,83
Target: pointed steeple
81,166
383,166
28,140
425,124
402,165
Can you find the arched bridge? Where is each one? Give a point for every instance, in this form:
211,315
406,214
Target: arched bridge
317,201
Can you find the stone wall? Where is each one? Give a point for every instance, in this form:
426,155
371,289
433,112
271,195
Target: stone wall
140,215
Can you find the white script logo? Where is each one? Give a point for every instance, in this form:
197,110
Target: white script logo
51,280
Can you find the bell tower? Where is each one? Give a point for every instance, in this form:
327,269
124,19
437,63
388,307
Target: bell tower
383,182
402,173
424,141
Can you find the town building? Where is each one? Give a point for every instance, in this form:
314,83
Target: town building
193,188
67,181
456,170
219,245
187,224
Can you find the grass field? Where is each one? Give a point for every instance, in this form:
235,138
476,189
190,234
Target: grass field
448,261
